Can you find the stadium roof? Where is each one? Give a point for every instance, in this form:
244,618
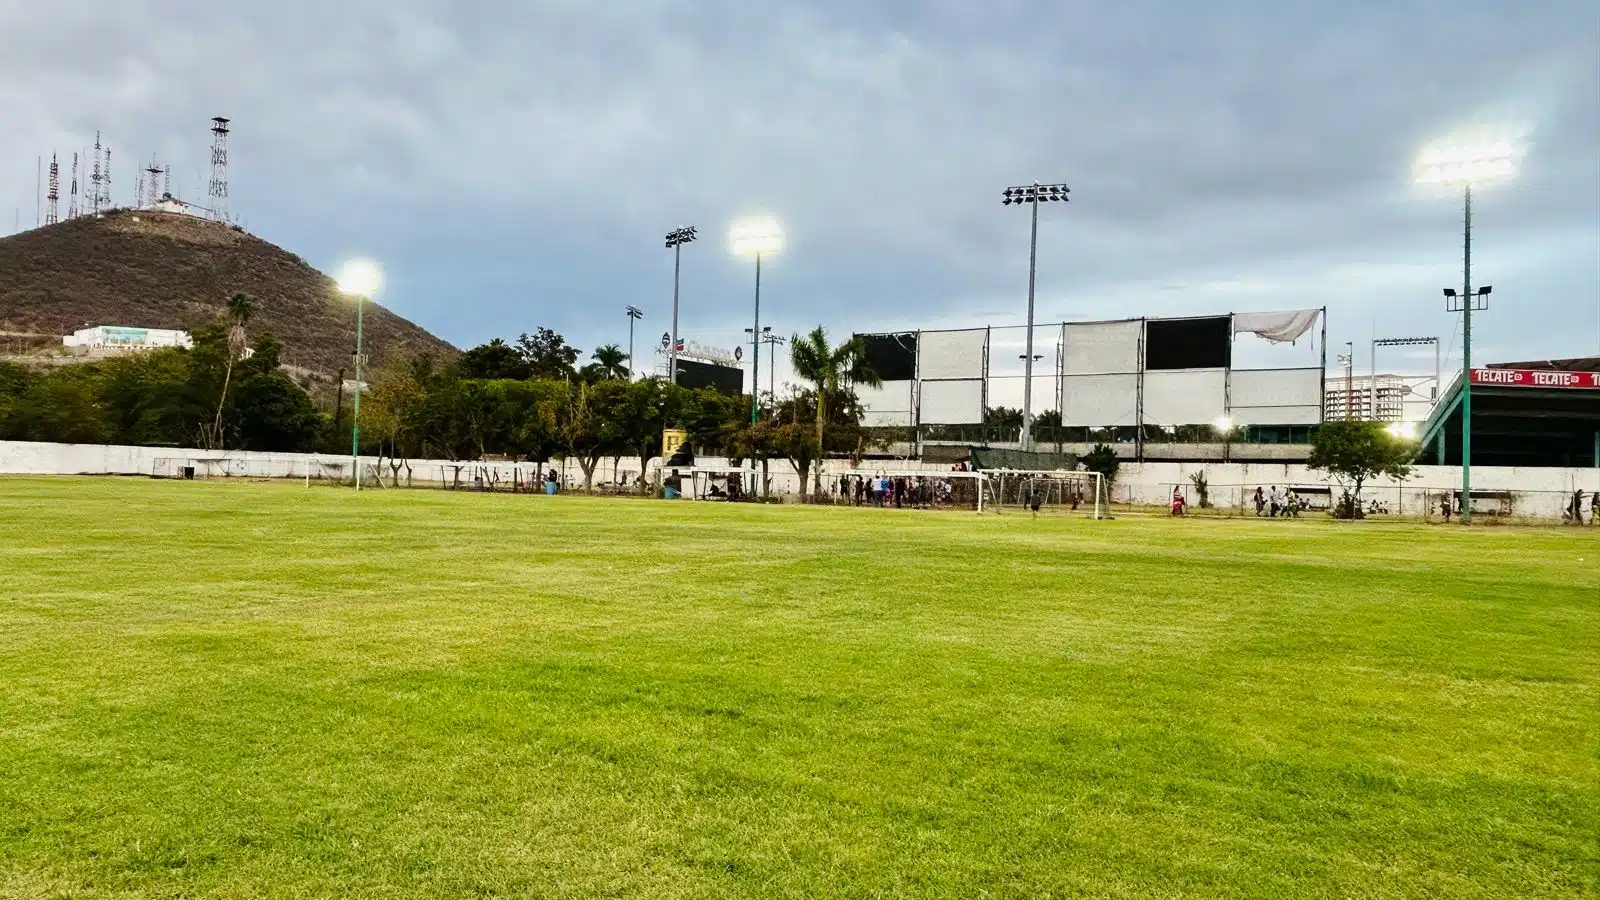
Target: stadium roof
1576,364
1523,414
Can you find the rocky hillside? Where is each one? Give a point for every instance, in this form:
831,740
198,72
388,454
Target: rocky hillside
167,270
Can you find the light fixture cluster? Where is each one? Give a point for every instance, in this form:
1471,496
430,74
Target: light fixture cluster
1035,193
680,236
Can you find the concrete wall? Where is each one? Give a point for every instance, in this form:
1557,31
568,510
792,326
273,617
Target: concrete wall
1539,492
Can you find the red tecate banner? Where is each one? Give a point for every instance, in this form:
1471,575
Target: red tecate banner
1537,378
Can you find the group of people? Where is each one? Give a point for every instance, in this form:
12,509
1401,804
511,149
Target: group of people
1273,503
898,491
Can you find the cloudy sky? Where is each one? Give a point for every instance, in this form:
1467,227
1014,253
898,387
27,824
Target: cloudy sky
516,164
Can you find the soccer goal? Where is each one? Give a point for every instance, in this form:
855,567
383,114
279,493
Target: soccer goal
1053,492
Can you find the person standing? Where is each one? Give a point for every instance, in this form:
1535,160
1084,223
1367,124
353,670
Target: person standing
878,483
1274,502
1260,500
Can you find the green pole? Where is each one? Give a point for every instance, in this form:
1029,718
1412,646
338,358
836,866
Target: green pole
355,424
1466,362
755,343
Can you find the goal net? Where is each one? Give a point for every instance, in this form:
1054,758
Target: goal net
1059,492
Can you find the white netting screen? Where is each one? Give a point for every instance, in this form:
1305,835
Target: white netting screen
951,403
887,405
951,354
1185,397
1101,348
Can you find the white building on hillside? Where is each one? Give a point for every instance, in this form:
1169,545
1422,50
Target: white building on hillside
122,337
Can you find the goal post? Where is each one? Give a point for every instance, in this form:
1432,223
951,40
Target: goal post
1058,491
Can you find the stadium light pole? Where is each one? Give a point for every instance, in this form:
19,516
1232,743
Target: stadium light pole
634,314
1404,342
1466,166
359,279
756,237
1033,195
676,238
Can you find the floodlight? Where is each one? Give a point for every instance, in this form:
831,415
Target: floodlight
360,277
1467,164
1484,291
1450,292
1405,431
1223,424
756,236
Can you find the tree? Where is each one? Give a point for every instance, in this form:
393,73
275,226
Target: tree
62,407
611,362
240,309
1103,459
1047,422
834,371
547,354
591,427
1354,452
494,360
1002,417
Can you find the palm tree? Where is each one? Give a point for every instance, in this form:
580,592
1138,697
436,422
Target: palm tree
240,309
834,370
612,362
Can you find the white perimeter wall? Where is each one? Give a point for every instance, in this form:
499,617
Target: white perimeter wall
1542,492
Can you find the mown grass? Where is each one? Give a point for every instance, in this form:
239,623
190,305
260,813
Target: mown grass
258,690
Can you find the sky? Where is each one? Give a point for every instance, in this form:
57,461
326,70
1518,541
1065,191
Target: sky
514,165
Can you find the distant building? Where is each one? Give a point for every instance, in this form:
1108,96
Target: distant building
171,204
1398,398
123,338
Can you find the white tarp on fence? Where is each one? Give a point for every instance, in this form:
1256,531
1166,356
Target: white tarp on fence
1099,400
952,402
952,354
1185,396
886,406
1101,348
1275,396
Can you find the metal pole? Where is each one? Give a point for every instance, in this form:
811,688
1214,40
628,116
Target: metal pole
630,346
355,416
672,352
1372,389
1027,369
772,370
755,361
1466,361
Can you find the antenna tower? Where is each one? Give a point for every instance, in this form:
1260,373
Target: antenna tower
152,182
54,197
105,182
72,198
93,200
166,182
218,191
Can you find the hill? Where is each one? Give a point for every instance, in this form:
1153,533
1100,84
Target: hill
168,270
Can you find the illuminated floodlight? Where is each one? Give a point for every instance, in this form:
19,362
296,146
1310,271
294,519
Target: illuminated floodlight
1449,163
360,277
1223,424
756,236
1404,431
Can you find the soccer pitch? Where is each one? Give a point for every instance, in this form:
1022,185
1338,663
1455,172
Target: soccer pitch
259,690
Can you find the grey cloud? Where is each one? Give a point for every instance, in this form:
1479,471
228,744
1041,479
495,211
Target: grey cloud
518,162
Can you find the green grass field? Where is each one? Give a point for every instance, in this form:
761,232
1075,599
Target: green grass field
257,690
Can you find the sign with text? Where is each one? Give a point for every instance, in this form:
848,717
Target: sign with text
1536,378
